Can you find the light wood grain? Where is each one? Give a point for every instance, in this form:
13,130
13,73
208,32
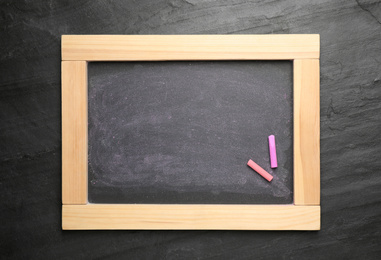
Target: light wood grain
74,132
306,132
189,47
180,217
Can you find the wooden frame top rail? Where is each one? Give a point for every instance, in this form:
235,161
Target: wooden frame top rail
303,50
189,47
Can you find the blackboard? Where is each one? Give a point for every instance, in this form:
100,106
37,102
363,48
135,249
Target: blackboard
182,132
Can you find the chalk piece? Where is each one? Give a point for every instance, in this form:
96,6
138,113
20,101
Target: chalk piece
259,170
272,148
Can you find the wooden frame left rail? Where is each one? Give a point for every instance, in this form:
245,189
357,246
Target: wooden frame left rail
74,132
304,50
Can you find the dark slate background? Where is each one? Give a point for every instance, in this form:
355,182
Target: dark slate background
30,126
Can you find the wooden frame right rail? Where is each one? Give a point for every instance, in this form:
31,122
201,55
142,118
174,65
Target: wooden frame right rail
306,132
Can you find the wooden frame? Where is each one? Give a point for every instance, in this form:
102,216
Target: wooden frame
304,50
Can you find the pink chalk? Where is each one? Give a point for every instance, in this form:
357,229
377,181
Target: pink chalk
259,170
272,148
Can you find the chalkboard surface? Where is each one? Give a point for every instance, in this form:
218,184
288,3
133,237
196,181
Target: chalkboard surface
182,132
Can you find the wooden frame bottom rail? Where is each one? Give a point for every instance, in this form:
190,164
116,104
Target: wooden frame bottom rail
195,217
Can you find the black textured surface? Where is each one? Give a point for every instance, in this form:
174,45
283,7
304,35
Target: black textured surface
30,126
182,132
